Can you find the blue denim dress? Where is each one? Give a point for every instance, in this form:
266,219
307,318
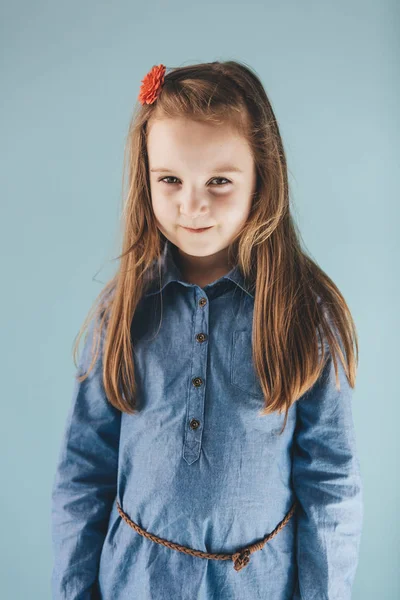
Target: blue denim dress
198,466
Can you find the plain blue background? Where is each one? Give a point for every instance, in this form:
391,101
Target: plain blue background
70,76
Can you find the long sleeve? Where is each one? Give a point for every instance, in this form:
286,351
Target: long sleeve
327,481
85,483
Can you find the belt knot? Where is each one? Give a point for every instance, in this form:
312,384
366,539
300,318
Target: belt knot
241,559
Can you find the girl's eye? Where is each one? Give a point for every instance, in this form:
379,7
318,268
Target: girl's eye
171,177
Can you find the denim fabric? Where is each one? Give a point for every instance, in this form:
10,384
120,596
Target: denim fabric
216,487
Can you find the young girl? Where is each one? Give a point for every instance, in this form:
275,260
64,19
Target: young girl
209,451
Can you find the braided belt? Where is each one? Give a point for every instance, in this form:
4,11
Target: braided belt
240,559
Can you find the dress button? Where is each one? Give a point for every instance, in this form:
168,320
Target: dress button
201,337
202,301
194,424
197,381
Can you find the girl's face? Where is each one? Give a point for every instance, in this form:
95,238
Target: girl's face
201,175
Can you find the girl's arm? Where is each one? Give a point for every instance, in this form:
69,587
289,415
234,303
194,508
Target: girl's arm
85,484
327,482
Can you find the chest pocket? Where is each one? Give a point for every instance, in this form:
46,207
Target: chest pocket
243,374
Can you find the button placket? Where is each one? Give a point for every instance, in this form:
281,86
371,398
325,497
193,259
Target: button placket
196,396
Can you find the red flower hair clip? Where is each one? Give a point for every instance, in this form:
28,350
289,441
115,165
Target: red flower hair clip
152,84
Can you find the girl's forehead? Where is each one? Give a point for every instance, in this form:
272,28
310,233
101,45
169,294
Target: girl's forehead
171,125
176,139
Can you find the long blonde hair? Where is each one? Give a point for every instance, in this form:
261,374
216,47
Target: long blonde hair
297,307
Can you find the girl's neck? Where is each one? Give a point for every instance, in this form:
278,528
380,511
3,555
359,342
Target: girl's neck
202,270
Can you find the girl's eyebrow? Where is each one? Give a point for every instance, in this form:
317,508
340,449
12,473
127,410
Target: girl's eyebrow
225,168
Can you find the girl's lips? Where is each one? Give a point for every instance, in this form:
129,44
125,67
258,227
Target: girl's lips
197,230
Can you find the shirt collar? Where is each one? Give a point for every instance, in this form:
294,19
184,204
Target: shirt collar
171,272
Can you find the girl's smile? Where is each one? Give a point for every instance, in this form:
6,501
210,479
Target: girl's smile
197,230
